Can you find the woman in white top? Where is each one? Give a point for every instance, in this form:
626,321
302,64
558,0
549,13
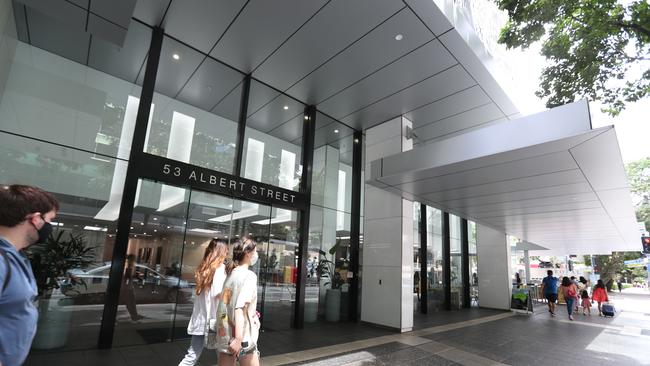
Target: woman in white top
210,276
237,320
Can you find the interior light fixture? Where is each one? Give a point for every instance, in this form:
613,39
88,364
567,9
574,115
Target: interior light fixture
176,56
356,141
155,219
306,117
399,37
336,131
285,107
142,224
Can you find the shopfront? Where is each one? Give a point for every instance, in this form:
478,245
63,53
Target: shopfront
147,175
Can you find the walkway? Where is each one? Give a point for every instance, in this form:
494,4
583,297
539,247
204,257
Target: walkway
491,339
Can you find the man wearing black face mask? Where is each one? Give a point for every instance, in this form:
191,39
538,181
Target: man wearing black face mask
25,215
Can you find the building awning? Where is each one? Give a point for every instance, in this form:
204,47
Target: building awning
548,179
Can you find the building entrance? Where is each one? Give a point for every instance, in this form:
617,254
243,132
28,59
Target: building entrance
170,230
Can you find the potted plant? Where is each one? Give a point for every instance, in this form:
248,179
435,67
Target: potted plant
327,272
51,262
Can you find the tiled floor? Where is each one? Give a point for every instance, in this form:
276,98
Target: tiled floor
481,337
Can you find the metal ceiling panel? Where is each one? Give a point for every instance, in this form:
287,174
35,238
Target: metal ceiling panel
418,65
335,27
103,29
559,178
428,11
173,74
259,96
21,24
262,26
448,106
561,207
150,11
61,13
124,62
290,130
51,35
211,82
116,11
372,52
468,119
200,23
80,3
228,107
436,87
270,109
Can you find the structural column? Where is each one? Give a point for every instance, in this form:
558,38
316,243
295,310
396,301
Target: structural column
527,266
494,269
387,285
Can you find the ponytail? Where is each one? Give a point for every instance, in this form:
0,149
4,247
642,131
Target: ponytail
239,250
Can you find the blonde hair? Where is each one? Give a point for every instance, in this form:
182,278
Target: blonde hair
214,256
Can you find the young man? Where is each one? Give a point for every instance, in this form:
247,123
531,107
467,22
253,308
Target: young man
549,289
25,215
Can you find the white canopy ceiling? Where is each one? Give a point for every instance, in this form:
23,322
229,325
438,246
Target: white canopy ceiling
548,179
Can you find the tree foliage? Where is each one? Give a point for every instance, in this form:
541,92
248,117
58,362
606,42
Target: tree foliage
596,49
638,176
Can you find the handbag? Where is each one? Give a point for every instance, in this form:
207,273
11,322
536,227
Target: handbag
210,334
571,292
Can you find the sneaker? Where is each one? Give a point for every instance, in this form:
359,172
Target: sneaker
570,317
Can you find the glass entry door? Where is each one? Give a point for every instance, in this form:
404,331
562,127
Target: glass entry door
170,230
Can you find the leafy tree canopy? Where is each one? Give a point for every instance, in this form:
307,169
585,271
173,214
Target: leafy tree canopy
596,49
638,176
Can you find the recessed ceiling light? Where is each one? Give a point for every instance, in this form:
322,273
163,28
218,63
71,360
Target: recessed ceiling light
336,131
306,117
399,37
176,56
286,107
155,231
155,219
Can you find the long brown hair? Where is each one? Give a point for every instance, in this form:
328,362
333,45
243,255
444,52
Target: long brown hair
239,251
214,256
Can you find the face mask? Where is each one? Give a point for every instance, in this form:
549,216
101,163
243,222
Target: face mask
254,258
44,232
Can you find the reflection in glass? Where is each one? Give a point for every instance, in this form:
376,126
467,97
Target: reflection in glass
456,262
473,264
435,263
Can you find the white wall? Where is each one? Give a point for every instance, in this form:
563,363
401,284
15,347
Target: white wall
387,285
494,268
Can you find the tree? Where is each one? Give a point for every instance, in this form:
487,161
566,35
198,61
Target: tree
597,49
638,176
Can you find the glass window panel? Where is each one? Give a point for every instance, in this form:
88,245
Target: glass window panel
434,258
454,233
54,99
71,315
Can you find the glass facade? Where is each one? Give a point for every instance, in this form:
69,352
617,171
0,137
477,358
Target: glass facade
456,261
473,264
435,260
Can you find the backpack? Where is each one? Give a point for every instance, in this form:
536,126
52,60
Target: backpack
8,277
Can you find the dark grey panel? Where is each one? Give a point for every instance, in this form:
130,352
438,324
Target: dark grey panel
290,130
436,87
333,133
228,107
124,62
21,24
54,36
412,68
209,84
173,74
67,13
447,107
100,28
468,119
372,52
273,114
150,11
116,11
334,28
80,3
259,96
200,23
262,26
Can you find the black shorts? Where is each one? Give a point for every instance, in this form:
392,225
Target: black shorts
551,297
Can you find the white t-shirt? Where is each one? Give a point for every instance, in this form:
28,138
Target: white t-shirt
239,290
204,306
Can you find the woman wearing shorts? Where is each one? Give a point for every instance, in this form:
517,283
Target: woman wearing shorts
237,321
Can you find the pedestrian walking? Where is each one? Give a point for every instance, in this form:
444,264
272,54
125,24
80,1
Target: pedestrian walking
570,292
209,276
238,322
585,302
599,295
619,284
549,289
25,216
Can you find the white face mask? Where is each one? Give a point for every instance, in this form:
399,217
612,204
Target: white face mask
254,258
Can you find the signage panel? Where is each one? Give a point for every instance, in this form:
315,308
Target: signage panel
185,175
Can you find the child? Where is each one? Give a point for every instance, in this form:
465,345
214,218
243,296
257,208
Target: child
586,304
600,295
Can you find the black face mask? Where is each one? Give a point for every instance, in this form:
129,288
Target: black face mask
44,232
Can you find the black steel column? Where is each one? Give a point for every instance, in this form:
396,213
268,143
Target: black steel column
424,281
464,249
128,196
355,226
446,261
241,125
308,132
